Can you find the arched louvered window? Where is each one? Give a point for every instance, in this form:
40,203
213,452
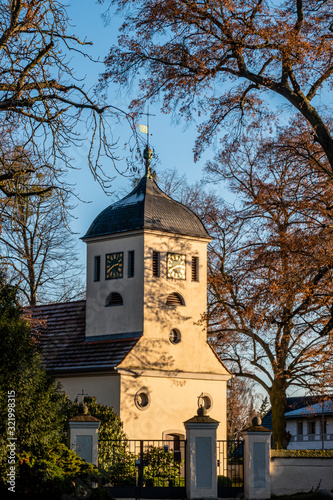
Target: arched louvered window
175,299
114,299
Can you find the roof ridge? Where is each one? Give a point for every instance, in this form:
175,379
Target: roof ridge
50,304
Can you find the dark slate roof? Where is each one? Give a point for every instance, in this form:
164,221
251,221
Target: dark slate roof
313,410
60,333
147,207
293,404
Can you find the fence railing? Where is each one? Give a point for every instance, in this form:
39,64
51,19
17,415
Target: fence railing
312,437
144,463
230,461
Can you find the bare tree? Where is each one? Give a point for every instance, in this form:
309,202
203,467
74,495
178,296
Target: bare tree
42,103
242,405
37,248
270,272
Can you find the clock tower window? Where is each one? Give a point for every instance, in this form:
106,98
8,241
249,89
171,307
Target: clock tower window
205,400
114,299
97,268
175,336
156,264
195,269
130,269
175,299
142,399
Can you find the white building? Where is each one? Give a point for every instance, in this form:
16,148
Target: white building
311,426
139,341
309,422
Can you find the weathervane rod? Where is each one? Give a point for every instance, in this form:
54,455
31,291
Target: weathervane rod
147,154
148,126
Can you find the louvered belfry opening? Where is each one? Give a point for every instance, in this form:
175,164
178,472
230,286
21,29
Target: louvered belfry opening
97,268
156,264
175,299
130,273
114,299
194,269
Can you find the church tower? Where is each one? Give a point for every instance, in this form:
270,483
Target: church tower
146,267
147,282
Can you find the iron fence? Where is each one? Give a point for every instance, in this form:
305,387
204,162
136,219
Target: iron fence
144,468
230,468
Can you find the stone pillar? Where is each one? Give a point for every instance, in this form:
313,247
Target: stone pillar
83,436
257,446
201,467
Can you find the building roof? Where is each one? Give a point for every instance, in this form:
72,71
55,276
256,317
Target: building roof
147,207
312,410
296,405
60,333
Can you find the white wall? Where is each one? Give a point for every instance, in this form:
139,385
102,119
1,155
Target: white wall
106,388
306,442
128,318
296,475
173,400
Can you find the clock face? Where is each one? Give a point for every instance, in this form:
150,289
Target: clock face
113,266
176,266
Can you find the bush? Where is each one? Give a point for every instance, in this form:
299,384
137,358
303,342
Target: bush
301,453
160,470
224,482
119,464
59,471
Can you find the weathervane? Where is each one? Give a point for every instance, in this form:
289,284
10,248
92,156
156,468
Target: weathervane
147,153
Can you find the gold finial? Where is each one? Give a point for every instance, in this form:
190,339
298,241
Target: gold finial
147,154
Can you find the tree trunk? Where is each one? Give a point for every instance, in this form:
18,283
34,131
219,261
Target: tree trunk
279,405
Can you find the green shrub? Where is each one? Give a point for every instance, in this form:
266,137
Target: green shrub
301,453
224,482
59,471
161,469
119,464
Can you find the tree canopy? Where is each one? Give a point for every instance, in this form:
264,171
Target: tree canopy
257,75
227,60
40,406
43,102
269,267
270,273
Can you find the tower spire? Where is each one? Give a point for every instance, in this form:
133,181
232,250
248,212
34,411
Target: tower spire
147,153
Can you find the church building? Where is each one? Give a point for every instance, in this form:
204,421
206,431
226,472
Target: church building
138,342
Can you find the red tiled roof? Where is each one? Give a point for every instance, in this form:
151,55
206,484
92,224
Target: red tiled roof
60,333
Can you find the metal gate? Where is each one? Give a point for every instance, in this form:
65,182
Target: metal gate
144,469
230,468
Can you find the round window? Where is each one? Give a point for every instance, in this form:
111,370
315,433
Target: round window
142,399
175,336
205,400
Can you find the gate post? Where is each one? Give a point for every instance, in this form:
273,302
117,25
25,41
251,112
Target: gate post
200,467
83,435
257,445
